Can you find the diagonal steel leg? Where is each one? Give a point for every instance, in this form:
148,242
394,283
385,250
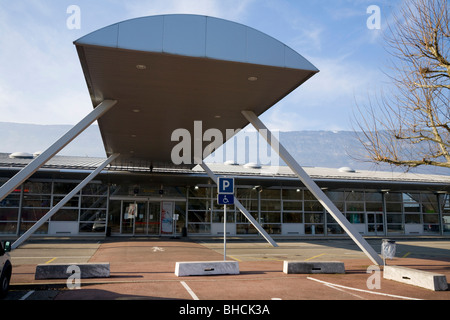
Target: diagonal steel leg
244,211
37,163
314,188
60,204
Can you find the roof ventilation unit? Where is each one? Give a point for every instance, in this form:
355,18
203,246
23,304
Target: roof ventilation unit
252,165
21,155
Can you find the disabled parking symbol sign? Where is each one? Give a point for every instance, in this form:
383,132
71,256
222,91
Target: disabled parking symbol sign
225,199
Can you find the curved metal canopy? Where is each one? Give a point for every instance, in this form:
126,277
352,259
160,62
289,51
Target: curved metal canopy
168,71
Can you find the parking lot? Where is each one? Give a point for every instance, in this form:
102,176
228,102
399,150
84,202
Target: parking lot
143,269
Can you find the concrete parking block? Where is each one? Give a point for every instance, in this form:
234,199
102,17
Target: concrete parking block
309,267
64,270
419,278
206,268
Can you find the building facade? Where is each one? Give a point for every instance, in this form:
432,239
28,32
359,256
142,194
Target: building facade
184,202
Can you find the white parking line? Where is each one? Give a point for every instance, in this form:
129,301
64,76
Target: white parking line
189,290
329,284
27,295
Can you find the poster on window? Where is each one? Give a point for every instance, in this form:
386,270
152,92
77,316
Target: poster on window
131,211
166,218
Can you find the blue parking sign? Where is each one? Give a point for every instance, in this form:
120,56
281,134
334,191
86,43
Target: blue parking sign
227,199
225,185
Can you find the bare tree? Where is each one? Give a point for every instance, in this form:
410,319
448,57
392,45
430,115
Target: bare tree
409,126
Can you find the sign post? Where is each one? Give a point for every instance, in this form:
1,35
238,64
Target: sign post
225,197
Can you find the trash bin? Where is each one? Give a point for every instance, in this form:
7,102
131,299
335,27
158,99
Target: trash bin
388,249
184,232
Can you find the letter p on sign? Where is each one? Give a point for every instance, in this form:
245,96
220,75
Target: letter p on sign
225,185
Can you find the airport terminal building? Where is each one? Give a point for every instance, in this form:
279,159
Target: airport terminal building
138,202
168,91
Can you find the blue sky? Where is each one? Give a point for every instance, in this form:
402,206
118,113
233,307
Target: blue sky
41,80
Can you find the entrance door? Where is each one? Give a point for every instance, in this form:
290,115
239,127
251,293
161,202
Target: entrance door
154,210
375,224
134,217
141,218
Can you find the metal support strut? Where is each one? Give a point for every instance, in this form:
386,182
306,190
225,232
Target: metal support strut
37,163
61,204
244,211
313,187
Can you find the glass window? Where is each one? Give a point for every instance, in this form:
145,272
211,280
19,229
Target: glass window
33,214
270,217
36,201
412,218
374,207
249,204
246,193
270,205
314,229
37,187
13,200
8,227
394,228
430,207
445,203
335,196
73,202
335,229
272,228
411,197
9,214
270,194
393,207
313,206
92,215
394,218
199,228
355,217
411,207
430,218
313,217
292,194
24,226
63,187
308,195
292,206
240,217
355,206
199,216
217,216
200,192
374,197
393,197
431,228
93,202
199,204
292,217
354,196
65,215
245,229
95,189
